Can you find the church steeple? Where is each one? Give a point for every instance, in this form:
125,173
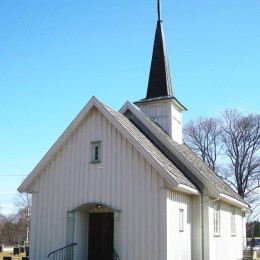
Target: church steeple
160,103
159,84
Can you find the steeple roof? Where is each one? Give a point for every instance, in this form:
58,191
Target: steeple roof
159,84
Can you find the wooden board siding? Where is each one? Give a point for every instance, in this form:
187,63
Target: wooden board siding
179,242
196,220
124,181
166,115
232,243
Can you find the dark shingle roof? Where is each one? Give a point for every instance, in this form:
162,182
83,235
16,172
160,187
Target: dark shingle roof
187,154
159,84
149,146
208,173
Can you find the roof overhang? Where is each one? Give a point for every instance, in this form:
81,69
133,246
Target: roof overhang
230,200
174,100
187,189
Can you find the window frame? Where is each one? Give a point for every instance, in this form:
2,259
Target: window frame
216,218
233,221
95,152
181,220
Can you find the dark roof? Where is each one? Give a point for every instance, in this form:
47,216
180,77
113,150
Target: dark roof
174,99
205,172
159,84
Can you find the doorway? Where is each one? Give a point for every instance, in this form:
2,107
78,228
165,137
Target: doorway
101,236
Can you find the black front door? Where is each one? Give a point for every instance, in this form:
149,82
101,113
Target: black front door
101,236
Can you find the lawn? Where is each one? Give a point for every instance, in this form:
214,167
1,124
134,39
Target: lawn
9,253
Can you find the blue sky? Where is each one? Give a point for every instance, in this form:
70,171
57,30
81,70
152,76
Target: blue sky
55,55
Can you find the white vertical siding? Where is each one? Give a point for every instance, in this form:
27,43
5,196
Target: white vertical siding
178,241
166,115
81,223
124,181
226,245
196,222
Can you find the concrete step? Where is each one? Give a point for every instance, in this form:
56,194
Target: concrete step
248,254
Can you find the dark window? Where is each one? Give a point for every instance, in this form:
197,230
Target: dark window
96,152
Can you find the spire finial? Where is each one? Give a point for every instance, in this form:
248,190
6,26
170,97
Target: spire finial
159,10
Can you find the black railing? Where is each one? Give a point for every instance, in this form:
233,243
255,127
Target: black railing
64,253
115,255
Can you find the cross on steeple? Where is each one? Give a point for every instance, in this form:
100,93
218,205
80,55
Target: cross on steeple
159,10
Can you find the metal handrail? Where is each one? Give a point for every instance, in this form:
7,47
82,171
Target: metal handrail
115,255
60,249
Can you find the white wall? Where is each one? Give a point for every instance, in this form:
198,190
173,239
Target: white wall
166,115
196,245
225,246
124,181
179,241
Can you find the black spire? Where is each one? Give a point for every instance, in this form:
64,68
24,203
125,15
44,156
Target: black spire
159,84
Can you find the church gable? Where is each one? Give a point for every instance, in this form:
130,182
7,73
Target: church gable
73,177
101,119
124,180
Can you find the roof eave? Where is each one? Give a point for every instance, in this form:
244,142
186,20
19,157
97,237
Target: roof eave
235,202
176,102
186,189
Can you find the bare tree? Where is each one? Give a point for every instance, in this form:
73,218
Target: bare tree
13,228
230,145
24,203
241,139
204,137
2,221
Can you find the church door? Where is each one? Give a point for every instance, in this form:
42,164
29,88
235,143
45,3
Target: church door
101,236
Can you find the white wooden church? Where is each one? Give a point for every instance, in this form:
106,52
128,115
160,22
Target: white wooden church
123,185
